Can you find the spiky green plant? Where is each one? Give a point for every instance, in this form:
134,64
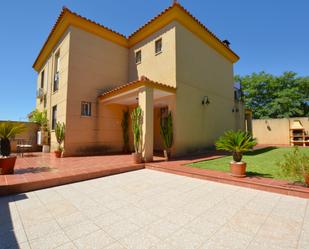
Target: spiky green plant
137,119
236,142
9,130
166,130
125,129
41,119
60,134
295,164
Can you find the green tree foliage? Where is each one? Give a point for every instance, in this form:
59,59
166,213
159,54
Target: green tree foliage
270,96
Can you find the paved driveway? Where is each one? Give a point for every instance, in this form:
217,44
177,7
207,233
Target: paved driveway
149,209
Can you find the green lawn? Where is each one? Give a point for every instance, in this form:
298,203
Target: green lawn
261,162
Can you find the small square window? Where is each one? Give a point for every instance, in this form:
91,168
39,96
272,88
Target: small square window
138,56
158,46
86,109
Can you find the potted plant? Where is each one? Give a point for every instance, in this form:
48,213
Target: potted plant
296,165
41,119
166,131
136,117
8,130
60,136
236,142
125,130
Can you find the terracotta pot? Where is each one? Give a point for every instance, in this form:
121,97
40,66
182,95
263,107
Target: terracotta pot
137,158
58,153
306,178
7,165
238,169
167,154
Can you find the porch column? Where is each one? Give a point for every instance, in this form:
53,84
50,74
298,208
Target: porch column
145,101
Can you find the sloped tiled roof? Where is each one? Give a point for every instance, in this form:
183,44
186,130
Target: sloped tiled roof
175,4
137,83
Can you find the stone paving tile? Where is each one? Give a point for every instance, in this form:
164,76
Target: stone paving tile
97,240
80,230
185,239
150,209
139,240
51,240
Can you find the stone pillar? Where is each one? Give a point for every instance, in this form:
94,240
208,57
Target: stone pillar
145,101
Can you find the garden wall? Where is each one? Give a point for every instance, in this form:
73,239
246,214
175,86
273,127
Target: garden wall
29,135
275,131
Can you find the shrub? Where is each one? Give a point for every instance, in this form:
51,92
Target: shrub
236,142
136,117
166,130
295,164
60,134
9,130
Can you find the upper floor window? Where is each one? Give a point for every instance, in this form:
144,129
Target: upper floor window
45,100
54,117
56,72
158,46
42,78
138,56
86,109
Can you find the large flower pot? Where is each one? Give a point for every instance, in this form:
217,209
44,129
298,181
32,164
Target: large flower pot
58,153
306,178
238,169
137,158
167,154
7,165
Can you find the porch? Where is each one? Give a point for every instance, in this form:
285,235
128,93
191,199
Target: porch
155,99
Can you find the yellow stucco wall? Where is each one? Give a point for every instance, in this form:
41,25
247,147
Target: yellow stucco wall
275,131
201,71
95,64
59,97
160,67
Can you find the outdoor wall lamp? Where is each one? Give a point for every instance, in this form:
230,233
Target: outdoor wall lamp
205,100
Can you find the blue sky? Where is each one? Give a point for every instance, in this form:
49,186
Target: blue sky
269,35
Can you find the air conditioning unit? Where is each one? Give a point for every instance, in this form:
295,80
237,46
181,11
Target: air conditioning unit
40,93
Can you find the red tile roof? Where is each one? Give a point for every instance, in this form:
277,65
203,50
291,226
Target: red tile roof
143,79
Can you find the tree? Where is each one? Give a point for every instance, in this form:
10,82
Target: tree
270,96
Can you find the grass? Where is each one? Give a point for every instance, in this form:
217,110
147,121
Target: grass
262,162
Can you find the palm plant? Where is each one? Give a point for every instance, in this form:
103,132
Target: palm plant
125,129
166,131
41,119
9,130
60,134
236,142
136,117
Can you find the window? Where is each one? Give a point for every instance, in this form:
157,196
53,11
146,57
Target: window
54,117
86,109
158,46
56,74
42,78
138,56
45,100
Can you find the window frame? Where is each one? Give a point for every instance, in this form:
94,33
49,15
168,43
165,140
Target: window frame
42,79
56,72
86,112
161,46
140,57
54,117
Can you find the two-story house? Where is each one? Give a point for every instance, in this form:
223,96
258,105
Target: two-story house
88,74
